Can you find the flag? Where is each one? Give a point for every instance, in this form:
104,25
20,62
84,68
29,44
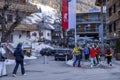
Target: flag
72,13
64,14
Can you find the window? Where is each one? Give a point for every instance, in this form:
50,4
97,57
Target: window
110,12
114,8
28,34
9,18
114,26
10,38
110,28
87,27
48,34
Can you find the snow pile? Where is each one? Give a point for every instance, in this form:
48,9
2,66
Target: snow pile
31,57
9,61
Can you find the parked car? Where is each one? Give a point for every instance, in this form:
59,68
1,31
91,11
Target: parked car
47,52
60,54
39,49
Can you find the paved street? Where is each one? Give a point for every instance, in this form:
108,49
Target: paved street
58,70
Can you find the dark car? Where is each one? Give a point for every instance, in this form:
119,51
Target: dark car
47,52
61,54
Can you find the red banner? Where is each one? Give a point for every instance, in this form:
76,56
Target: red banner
65,14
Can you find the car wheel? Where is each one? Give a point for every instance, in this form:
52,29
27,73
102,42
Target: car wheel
56,59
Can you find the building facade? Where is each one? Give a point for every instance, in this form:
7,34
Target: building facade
88,24
113,19
22,31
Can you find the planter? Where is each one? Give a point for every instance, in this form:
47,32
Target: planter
117,56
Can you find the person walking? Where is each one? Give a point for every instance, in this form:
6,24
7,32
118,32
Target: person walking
3,71
86,52
19,58
77,54
98,54
93,60
108,55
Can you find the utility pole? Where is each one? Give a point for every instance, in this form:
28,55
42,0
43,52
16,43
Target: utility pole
102,28
75,36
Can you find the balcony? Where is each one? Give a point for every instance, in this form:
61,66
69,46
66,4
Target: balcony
83,21
23,27
22,8
89,30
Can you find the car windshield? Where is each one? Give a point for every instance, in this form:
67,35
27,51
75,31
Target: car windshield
61,51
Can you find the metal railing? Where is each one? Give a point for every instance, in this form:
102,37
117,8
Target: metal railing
88,20
88,30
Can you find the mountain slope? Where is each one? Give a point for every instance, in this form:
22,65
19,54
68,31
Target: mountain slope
84,5
81,6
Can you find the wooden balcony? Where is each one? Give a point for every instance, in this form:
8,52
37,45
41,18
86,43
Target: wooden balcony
24,27
91,30
22,8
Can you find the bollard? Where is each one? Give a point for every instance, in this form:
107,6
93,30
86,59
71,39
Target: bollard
66,58
45,60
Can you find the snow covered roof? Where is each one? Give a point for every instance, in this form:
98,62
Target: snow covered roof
44,18
33,18
37,18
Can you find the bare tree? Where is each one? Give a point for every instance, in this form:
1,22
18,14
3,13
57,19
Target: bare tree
5,31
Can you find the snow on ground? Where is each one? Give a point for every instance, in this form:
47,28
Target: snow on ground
31,57
11,61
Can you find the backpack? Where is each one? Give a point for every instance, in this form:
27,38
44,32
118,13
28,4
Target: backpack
18,55
108,51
